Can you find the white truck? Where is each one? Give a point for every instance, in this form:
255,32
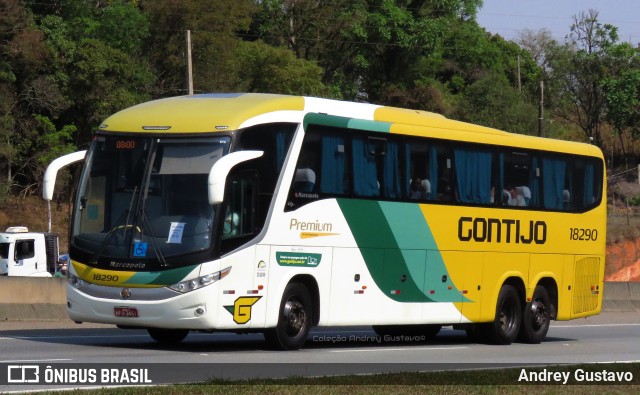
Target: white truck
24,253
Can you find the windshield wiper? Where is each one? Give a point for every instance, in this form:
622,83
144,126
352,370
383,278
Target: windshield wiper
154,243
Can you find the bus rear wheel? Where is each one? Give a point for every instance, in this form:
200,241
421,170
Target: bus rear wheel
536,317
506,325
168,336
294,319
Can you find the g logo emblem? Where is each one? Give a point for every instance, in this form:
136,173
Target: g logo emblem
241,309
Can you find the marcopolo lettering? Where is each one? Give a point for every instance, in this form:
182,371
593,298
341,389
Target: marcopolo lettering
494,230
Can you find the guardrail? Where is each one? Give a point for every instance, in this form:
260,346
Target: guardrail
44,299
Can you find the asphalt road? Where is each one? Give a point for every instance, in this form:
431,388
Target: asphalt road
609,337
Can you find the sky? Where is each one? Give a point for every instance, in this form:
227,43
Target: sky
510,17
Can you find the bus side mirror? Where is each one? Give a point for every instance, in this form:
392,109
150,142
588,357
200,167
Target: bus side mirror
220,170
49,180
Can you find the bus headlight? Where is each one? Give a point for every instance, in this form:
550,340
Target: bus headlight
75,281
200,282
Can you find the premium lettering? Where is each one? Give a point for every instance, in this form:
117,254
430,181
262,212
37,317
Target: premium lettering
494,230
316,226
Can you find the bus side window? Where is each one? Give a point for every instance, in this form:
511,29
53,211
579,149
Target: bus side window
322,168
239,221
473,174
441,173
519,178
556,186
417,182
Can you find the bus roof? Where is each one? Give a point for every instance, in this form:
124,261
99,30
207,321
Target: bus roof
206,113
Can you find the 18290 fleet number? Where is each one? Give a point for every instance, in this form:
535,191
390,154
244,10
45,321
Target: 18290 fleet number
583,234
105,277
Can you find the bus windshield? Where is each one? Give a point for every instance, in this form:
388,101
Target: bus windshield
145,198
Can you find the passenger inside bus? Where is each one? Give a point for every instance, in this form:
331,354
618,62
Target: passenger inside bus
513,197
418,192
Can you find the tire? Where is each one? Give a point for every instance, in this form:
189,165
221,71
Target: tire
474,332
168,336
429,331
536,317
294,319
505,327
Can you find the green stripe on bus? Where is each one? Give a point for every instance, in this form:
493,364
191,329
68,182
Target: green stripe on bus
344,122
167,277
325,120
412,232
374,126
399,251
387,265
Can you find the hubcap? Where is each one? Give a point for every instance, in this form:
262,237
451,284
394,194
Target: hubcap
507,318
538,315
295,317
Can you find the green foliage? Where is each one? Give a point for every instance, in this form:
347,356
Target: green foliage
634,201
578,70
52,143
493,102
268,69
123,26
67,65
622,89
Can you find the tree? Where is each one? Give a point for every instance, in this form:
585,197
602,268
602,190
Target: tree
493,102
365,47
268,69
579,68
621,91
214,27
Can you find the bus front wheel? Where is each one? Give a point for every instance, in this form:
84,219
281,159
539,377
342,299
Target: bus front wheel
536,317
506,325
294,319
168,336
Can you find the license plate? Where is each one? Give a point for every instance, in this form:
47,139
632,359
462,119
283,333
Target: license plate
125,311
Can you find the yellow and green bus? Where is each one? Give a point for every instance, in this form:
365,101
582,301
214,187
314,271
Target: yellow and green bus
276,214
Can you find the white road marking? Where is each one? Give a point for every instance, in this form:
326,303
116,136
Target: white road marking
36,360
591,325
397,349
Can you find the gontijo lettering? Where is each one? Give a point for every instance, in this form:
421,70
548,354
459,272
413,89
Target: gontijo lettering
501,230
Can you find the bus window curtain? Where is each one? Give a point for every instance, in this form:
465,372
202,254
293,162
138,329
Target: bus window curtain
365,179
433,171
588,196
498,192
391,171
568,198
332,168
281,140
553,174
473,176
407,170
535,183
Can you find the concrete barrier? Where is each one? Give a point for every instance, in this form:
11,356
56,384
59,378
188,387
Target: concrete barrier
634,293
44,299
31,299
618,297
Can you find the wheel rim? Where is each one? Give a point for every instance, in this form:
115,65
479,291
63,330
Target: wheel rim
295,317
507,317
538,315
